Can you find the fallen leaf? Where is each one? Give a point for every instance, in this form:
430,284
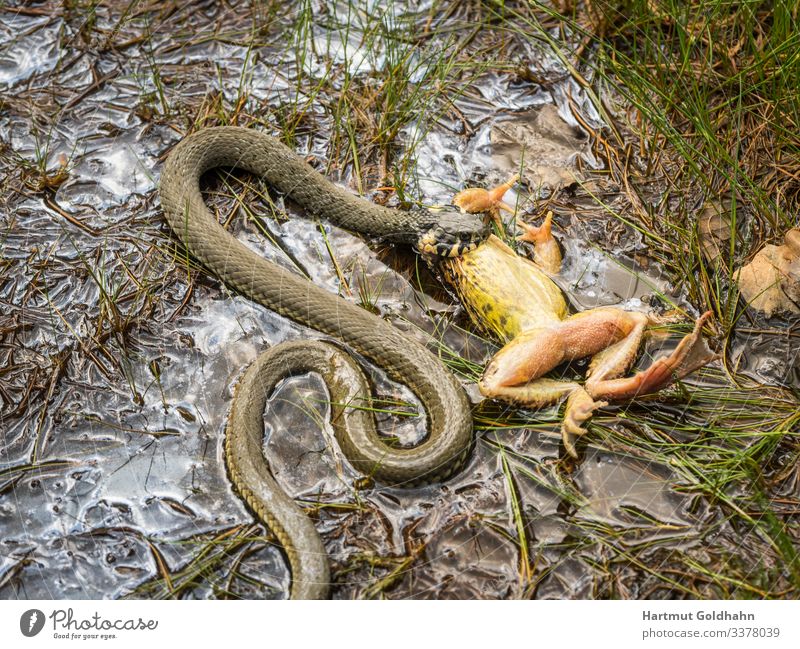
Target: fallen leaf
715,229
771,281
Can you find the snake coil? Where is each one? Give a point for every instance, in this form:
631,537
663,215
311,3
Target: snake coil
404,360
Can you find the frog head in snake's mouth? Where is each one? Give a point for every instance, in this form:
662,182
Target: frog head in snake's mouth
451,233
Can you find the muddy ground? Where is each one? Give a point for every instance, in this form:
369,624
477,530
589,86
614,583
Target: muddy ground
117,356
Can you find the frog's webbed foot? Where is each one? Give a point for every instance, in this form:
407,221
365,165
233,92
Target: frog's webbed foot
580,407
547,392
546,253
691,354
476,200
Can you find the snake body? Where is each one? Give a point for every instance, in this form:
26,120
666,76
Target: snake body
404,360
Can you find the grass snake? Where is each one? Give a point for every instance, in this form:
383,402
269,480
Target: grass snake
446,232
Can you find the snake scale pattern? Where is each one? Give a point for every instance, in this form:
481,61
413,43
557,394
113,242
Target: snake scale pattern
291,295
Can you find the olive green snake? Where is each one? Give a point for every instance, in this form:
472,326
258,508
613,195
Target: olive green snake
449,421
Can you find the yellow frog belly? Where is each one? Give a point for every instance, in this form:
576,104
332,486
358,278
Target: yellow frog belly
504,293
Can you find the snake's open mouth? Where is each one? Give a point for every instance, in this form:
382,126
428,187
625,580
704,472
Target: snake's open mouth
428,244
452,234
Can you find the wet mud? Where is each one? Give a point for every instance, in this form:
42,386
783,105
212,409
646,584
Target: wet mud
118,356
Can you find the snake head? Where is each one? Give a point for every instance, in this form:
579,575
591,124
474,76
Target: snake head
450,232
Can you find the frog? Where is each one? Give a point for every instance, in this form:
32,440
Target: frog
516,301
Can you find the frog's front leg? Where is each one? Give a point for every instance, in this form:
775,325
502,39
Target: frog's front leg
546,253
476,200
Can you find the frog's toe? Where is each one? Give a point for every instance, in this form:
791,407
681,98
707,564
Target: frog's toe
580,407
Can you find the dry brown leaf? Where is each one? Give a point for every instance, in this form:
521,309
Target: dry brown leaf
771,281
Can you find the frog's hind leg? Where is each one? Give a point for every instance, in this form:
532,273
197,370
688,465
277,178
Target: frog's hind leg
605,382
534,352
547,392
514,374
608,366
612,337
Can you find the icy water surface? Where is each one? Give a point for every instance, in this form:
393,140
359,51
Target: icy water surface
118,361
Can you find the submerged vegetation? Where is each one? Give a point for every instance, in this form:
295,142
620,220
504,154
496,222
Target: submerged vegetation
691,109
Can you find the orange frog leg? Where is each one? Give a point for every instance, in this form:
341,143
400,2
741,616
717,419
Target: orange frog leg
612,337
475,200
546,253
